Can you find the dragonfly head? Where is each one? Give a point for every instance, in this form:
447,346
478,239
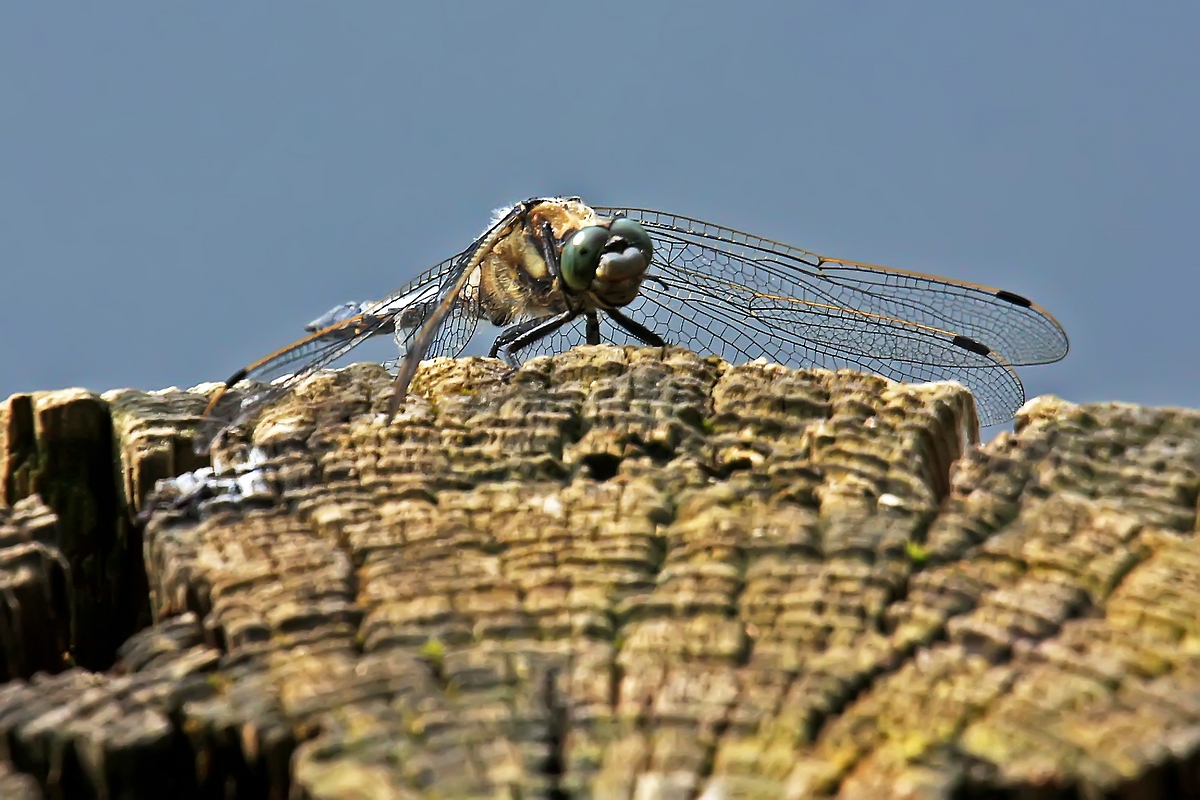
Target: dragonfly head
616,253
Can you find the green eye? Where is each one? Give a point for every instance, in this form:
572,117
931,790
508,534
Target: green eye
633,233
581,256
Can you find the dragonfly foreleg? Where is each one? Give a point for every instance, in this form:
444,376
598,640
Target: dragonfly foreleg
593,328
526,333
635,329
550,252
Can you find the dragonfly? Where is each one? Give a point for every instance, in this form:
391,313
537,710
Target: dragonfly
554,272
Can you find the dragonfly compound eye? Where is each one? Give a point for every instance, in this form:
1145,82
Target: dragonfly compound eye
634,235
581,256
627,252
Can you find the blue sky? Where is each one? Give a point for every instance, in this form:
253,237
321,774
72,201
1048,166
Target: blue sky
184,185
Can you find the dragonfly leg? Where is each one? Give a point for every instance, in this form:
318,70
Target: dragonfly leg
635,329
526,333
593,328
512,332
550,252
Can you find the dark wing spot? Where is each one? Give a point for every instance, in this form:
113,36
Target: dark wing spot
235,377
1015,299
967,343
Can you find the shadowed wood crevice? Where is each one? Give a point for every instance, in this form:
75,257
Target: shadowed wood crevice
35,591
777,585
59,446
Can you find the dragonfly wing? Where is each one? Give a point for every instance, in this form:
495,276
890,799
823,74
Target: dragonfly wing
450,339
715,323
1018,329
444,324
411,311
296,361
712,317
340,314
331,336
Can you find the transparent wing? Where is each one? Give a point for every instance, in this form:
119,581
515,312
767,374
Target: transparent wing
435,314
808,336
300,359
1019,330
445,325
401,314
455,332
732,326
721,291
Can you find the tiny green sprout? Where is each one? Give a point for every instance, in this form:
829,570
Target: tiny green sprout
433,650
916,552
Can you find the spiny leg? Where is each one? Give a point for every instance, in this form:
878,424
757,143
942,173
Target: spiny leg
549,251
548,326
593,328
507,336
526,333
635,329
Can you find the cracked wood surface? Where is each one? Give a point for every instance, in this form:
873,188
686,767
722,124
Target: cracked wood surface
629,572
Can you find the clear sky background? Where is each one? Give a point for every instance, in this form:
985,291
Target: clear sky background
184,185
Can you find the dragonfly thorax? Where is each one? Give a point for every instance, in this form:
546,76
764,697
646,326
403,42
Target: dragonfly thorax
558,255
513,280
